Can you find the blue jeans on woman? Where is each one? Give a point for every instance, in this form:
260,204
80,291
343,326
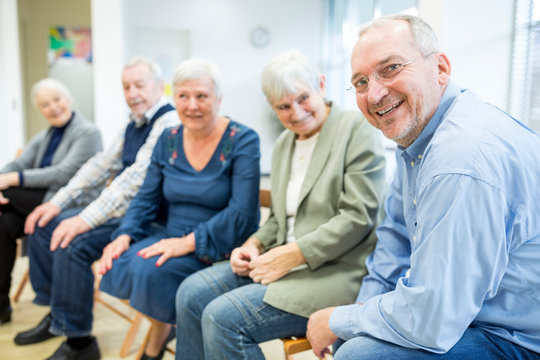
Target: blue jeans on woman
475,344
221,315
64,279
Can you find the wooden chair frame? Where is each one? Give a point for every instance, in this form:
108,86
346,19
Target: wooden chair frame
26,276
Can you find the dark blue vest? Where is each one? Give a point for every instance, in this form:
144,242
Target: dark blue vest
135,137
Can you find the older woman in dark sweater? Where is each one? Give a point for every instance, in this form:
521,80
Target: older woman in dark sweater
47,163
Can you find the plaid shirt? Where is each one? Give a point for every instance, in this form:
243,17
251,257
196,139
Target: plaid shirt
115,198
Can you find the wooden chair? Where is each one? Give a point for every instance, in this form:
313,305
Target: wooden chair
132,332
131,315
21,251
293,345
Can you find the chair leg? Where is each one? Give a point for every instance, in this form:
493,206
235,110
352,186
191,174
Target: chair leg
130,336
21,285
146,340
144,343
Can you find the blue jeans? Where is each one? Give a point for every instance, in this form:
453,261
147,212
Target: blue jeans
221,315
475,344
64,279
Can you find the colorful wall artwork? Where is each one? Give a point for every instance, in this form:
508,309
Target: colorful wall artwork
69,44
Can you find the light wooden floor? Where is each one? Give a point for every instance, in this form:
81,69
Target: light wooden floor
109,329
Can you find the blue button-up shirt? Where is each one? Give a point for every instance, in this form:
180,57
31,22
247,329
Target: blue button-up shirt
460,243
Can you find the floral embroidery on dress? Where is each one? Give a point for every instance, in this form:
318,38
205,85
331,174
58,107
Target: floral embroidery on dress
227,147
172,145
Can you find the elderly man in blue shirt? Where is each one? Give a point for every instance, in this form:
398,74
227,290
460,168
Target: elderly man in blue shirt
456,270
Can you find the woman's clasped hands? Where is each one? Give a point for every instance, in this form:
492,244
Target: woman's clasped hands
268,267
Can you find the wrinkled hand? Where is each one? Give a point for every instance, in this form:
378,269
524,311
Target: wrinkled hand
243,255
67,230
319,334
275,263
8,180
112,252
41,216
169,248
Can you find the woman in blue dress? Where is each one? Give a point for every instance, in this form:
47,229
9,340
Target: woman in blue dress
205,174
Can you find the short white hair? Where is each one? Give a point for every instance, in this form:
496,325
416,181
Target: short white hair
195,69
287,73
154,67
50,83
423,35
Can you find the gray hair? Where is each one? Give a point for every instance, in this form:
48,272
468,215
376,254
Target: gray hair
50,83
155,69
195,69
288,72
423,35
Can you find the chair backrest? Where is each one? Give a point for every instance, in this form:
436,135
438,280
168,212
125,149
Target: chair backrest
264,198
266,201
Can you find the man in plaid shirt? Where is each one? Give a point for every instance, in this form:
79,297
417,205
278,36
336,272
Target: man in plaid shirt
68,237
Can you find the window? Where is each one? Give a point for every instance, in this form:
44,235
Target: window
343,22
525,78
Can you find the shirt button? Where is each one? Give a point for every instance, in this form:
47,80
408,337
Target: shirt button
412,163
420,156
414,201
414,238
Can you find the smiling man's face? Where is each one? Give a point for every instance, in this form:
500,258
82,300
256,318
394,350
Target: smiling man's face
403,105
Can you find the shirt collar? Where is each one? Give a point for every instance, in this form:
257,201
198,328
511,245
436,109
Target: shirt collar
416,149
149,113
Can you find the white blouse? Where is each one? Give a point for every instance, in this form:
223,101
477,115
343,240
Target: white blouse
303,149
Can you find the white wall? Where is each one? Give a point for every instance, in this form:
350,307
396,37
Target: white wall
219,31
110,109
11,124
477,37
475,34
35,20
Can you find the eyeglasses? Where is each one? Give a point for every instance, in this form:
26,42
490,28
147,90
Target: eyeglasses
383,76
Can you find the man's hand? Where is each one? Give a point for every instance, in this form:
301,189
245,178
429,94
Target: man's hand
275,263
241,256
318,332
41,216
112,252
67,230
169,248
8,180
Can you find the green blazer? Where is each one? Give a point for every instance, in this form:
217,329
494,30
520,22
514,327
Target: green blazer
337,213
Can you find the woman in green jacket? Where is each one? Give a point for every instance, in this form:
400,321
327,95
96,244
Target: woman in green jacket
327,185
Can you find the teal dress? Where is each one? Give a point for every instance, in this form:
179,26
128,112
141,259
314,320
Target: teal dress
219,204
